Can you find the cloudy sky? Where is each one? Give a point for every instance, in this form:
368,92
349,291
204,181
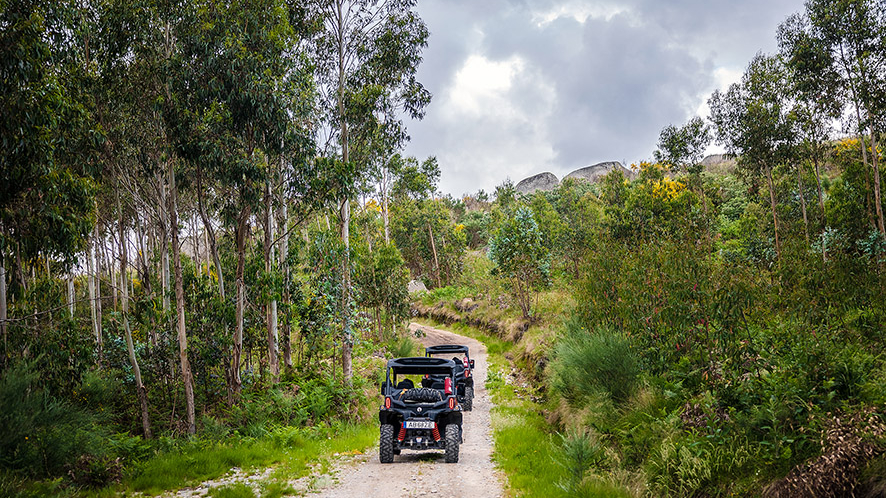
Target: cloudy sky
526,86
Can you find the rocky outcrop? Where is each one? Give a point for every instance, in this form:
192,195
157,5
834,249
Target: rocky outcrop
593,173
416,286
542,181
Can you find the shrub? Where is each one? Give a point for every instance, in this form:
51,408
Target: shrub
403,346
588,361
40,434
580,451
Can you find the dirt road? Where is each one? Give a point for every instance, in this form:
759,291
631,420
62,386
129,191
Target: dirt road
416,474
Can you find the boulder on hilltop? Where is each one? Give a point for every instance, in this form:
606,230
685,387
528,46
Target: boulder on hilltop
593,173
542,181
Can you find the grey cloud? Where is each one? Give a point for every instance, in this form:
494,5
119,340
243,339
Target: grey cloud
617,82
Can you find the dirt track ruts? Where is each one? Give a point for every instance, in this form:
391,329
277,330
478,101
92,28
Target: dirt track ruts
416,474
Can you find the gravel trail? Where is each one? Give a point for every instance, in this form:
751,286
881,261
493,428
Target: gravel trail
415,474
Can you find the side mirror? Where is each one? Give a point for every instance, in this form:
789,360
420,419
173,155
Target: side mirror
472,364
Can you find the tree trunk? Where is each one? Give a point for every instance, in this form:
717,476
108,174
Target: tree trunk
875,161
112,268
436,261
857,104
164,241
271,308
346,292
187,377
818,182
93,305
210,234
71,294
100,339
242,227
803,203
774,216
3,315
142,393
384,205
284,260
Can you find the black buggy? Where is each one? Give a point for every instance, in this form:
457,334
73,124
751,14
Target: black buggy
464,379
423,418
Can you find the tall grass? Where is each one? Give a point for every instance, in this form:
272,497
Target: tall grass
593,361
290,450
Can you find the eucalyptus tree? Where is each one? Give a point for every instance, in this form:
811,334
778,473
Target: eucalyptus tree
849,36
815,83
367,59
522,257
48,140
683,148
753,119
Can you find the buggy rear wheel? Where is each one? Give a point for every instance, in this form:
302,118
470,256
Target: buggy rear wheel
469,399
386,444
452,439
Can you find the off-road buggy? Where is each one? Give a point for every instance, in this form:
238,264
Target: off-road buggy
464,379
423,418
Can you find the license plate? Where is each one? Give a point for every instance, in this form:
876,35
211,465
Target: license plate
419,424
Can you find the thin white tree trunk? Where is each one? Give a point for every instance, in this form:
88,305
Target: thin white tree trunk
130,347
242,227
345,205
112,267
875,156
273,360
346,361
434,250
3,315
772,204
71,294
187,376
210,236
93,305
802,202
164,241
100,340
283,258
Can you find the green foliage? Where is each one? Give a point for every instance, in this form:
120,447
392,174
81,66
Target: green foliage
296,450
476,227
590,361
580,452
521,255
290,404
421,228
41,434
381,280
48,132
404,346
682,148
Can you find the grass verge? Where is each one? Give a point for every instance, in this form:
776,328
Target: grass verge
290,452
528,452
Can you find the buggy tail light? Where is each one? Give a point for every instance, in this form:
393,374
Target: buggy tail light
388,402
452,402
447,385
